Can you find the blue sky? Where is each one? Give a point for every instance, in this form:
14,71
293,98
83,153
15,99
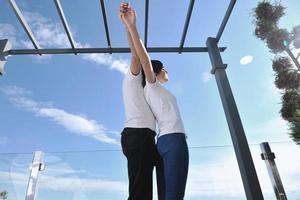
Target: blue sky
66,103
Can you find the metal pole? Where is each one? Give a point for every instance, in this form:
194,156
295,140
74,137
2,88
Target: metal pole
5,46
269,157
64,22
146,22
24,23
186,24
37,166
239,140
105,24
225,19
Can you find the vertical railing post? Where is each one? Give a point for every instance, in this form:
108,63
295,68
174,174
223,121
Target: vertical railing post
239,140
37,166
5,46
269,157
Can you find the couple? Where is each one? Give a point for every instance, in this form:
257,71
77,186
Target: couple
146,103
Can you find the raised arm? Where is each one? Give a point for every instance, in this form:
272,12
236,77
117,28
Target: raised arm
135,65
130,21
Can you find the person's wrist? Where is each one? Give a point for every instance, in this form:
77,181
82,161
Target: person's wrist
130,26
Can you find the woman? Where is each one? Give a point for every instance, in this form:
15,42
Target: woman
138,136
171,141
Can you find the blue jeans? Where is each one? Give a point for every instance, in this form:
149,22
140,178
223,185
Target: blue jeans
173,170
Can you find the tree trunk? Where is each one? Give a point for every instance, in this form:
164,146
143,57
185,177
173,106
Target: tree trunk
293,58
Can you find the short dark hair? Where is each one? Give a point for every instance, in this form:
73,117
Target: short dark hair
156,65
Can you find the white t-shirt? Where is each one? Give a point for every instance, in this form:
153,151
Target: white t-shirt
138,112
164,107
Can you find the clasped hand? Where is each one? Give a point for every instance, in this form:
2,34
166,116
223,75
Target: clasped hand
127,15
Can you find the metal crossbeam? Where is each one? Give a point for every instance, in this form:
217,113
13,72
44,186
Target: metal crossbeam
108,50
75,50
186,25
225,19
146,22
24,23
64,21
105,23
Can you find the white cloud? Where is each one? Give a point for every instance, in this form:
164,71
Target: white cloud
51,35
206,76
275,129
246,60
106,59
47,33
78,124
8,31
120,65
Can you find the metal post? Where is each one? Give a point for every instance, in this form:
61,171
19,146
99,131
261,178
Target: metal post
268,156
37,166
239,140
5,47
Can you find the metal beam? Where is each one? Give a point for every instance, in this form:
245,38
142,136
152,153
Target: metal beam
108,50
24,23
225,19
187,22
5,46
238,137
64,21
146,22
269,157
105,24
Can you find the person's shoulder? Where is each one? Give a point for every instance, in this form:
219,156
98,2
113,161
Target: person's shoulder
132,76
153,85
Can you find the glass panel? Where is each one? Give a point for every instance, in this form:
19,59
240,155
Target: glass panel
84,175
103,175
14,174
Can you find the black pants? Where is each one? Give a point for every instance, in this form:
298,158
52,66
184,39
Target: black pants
138,145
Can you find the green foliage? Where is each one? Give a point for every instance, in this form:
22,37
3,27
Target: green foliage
287,79
281,63
267,12
263,29
290,105
266,18
3,194
278,40
295,130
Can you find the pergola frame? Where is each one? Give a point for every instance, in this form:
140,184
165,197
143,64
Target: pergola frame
239,140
